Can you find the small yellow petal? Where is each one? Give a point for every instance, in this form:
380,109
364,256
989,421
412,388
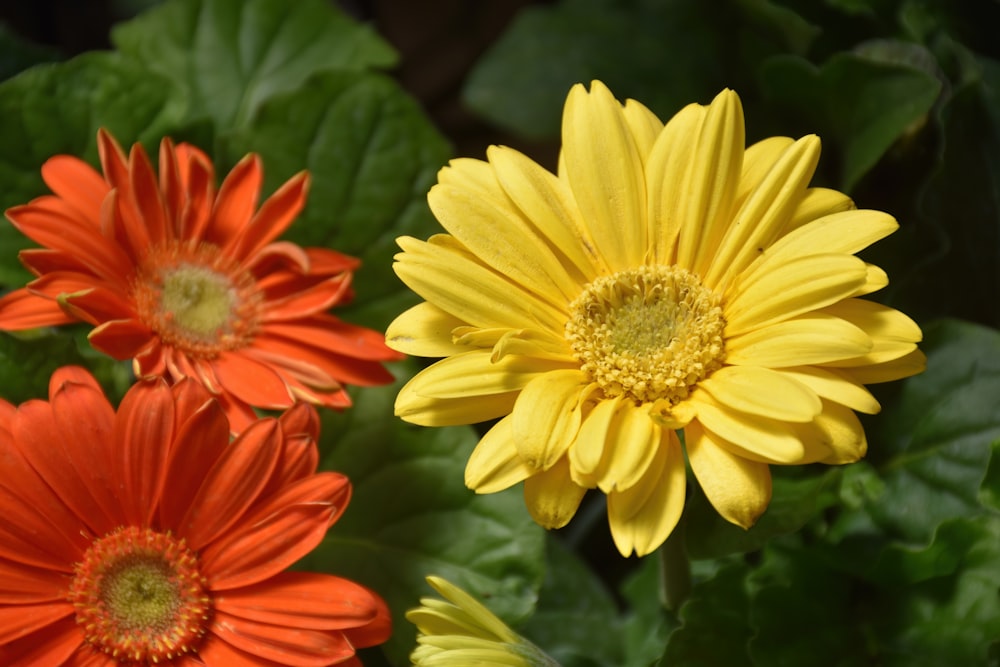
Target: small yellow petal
910,364
790,288
547,416
587,452
766,210
768,440
552,497
424,331
644,125
633,439
763,391
893,334
810,339
667,169
470,291
712,179
643,516
818,203
493,229
495,464
835,385
738,489
548,203
605,173
847,233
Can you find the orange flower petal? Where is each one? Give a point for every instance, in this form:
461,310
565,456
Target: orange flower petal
54,644
77,183
122,339
232,484
16,621
251,381
301,600
200,442
274,216
267,547
236,202
287,646
21,310
25,584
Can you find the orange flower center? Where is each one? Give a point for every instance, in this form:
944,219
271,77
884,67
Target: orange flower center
197,300
649,334
140,597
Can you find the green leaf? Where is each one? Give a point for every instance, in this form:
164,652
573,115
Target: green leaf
646,624
411,516
859,104
714,629
959,232
794,501
803,613
230,56
952,620
931,446
989,493
58,108
662,54
576,621
372,155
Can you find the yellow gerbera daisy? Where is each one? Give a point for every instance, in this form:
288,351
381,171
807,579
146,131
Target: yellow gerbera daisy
667,278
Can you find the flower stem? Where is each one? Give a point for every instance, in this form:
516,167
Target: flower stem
675,571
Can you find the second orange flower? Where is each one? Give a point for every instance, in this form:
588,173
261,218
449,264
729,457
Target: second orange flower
190,281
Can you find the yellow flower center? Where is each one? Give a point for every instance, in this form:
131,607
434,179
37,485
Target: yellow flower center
140,597
649,333
197,300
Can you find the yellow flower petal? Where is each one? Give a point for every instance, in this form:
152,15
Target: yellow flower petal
547,416
770,440
587,452
875,280
470,291
429,411
644,125
815,204
633,439
811,339
642,517
887,371
495,464
835,385
846,233
791,288
467,384
424,331
894,334
840,432
738,489
712,178
492,228
758,159
552,497
762,391
475,374
605,173
548,203
765,211
666,172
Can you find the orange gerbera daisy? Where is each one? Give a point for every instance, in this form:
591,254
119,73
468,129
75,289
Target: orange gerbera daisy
188,281
146,537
